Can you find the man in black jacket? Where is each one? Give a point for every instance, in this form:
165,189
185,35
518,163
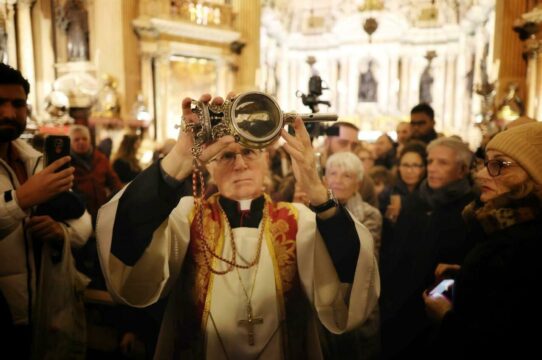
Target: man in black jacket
429,230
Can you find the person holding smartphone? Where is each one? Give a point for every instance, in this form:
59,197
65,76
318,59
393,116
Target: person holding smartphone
24,184
493,309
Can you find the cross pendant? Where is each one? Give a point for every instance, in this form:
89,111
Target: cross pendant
249,323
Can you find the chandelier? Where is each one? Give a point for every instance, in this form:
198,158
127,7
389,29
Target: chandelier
370,24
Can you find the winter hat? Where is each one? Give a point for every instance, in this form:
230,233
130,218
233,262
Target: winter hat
523,143
522,120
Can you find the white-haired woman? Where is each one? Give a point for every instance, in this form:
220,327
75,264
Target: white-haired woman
344,176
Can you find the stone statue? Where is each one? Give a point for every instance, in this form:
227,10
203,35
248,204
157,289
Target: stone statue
57,105
368,86
73,19
108,104
426,82
511,105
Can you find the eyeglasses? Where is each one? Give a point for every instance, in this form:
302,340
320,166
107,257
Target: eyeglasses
228,158
411,166
495,166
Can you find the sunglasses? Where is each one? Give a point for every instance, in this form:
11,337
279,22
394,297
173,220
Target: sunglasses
495,166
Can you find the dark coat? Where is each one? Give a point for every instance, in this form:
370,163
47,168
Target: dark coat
124,170
496,313
424,235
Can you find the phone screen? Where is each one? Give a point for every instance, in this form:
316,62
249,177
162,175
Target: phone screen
443,288
56,147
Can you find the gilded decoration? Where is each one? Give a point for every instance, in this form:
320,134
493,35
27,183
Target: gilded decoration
282,230
202,276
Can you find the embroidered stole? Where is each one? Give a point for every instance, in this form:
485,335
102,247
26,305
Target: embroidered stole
280,232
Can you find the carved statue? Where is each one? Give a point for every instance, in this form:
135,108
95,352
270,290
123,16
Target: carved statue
108,105
73,19
368,86
57,105
426,82
511,105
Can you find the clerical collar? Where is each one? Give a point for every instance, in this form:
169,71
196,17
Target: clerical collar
237,217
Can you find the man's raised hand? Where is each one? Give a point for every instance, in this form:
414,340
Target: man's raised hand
45,184
178,163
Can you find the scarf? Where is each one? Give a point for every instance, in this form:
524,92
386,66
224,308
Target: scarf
503,212
446,194
356,206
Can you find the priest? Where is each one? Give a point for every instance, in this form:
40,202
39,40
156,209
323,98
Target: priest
246,277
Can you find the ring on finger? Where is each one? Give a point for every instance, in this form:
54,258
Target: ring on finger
182,125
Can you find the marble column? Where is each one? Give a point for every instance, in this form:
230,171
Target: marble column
147,88
532,50
449,97
162,74
11,31
248,23
26,46
537,100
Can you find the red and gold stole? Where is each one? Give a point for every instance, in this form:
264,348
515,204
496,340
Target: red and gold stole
280,231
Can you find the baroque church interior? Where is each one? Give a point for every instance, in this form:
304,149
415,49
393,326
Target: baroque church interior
124,66
128,63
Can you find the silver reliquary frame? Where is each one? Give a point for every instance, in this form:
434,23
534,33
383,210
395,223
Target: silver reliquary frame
253,118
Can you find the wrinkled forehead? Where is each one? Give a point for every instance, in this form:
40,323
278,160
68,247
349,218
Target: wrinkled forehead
234,147
442,152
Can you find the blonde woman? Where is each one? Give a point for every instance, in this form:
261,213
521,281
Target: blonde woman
493,307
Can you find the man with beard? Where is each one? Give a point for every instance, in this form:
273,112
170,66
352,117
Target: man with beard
23,186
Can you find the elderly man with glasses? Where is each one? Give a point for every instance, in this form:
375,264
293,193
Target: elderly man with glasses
246,276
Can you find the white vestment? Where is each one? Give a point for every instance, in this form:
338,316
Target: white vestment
340,307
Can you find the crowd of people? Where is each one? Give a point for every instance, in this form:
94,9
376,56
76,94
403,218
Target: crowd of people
294,251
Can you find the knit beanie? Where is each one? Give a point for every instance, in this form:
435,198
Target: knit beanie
522,143
522,120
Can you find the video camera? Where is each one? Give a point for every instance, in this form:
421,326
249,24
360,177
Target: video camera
316,85
312,100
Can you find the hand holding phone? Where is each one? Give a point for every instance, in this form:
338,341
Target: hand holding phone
444,288
56,147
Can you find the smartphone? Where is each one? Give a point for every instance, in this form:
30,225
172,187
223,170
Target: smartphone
56,147
443,288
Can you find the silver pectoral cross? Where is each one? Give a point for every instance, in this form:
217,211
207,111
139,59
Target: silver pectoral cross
249,323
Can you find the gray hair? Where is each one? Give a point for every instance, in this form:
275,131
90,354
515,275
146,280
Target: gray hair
461,150
79,129
346,161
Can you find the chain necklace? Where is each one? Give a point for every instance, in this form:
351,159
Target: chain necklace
232,261
199,202
250,321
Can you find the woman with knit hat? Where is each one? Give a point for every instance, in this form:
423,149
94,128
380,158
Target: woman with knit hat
492,311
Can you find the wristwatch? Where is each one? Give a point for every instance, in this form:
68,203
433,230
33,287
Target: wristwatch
330,203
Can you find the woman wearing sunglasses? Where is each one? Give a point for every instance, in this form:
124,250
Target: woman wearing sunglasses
493,308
